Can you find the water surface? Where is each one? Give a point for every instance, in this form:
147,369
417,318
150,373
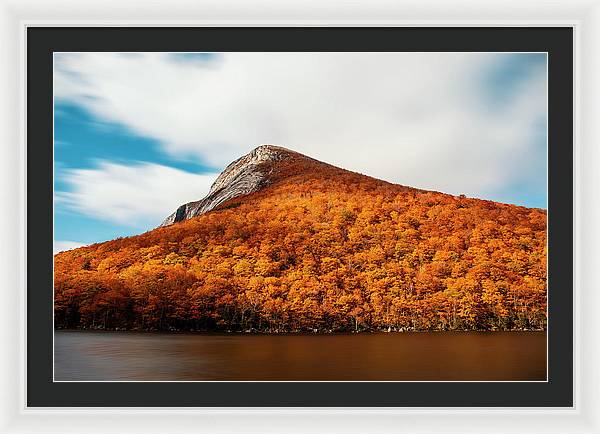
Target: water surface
133,356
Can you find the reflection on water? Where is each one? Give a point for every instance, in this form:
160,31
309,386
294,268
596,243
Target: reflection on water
85,355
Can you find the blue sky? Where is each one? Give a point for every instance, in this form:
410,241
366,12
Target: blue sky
81,141
138,134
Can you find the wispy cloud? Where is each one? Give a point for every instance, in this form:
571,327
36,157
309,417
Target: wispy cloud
460,123
135,195
62,245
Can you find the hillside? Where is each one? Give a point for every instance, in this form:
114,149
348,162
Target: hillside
284,242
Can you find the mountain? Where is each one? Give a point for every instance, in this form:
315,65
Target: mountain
284,242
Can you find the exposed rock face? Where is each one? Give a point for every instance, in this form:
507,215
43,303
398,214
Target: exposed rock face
244,176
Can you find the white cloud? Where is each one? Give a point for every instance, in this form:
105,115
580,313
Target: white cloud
135,195
419,119
63,245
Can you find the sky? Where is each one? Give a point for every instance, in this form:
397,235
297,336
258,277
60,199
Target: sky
138,134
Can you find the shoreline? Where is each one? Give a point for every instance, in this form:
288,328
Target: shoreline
283,333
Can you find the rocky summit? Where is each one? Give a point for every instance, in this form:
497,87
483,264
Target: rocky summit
245,175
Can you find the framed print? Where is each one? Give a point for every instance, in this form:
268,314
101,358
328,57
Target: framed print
343,219
291,274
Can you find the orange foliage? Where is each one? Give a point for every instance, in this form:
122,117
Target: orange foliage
320,248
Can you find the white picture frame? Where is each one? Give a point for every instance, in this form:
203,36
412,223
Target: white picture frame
583,16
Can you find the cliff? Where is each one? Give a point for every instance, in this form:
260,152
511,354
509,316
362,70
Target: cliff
245,175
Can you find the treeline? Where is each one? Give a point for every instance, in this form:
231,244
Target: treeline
334,251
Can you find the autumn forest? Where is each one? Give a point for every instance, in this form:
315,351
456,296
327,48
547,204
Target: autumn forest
317,249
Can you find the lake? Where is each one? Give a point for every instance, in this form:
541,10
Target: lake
144,356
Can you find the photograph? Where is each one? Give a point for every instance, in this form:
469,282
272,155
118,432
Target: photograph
300,216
